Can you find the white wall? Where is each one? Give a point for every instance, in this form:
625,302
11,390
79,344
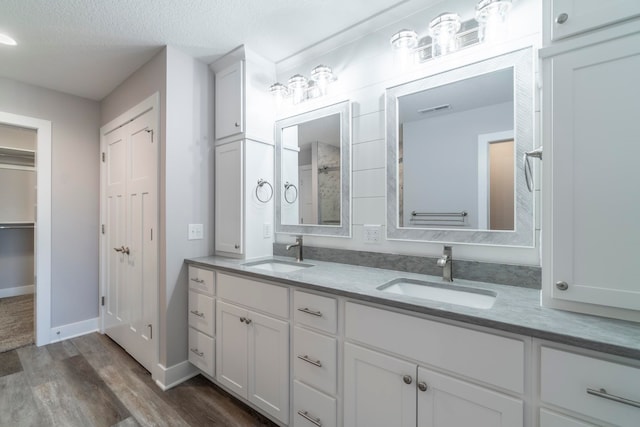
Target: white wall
74,189
433,185
186,177
365,67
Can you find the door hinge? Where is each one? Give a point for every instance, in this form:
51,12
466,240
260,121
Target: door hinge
104,157
102,301
102,227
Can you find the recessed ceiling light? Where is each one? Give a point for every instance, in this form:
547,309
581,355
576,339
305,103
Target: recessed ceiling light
5,39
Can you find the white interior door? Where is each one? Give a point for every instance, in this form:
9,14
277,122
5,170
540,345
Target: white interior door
131,280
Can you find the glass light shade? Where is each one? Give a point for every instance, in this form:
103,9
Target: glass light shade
492,18
297,85
404,40
443,30
322,76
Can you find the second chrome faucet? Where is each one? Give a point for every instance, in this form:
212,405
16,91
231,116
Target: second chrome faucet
446,262
298,246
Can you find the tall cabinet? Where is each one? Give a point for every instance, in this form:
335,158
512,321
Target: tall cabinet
591,103
243,155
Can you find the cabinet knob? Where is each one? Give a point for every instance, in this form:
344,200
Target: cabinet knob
562,18
422,386
236,124
407,379
247,321
562,285
242,319
236,246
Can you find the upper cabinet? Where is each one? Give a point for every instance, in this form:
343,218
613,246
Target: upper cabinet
244,155
591,101
243,104
229,101
565,18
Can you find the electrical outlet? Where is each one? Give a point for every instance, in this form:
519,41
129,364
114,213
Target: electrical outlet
196,232
372,233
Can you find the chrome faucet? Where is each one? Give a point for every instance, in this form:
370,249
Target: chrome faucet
446,262
298,246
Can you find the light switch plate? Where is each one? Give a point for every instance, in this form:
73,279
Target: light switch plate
196,232
266,230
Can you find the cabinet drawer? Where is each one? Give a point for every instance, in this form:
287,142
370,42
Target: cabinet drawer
201,313
201,351
270,299
585,15
201,280
567,377
552,419
312,408
482,356
315,311
311,349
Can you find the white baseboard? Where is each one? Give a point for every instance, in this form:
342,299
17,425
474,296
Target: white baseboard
167,378
17,291
72,330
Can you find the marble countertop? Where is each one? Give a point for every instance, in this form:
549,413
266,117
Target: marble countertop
515,310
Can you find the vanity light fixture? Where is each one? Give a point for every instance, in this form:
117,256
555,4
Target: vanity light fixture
492,17
5,39
299,88
448,33
443,30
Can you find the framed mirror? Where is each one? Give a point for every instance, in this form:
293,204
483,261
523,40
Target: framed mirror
313,172
454,147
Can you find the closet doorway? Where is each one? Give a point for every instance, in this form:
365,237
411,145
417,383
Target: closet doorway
17,217
25,255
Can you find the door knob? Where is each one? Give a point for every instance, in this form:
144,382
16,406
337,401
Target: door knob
125,250
562,285
119,249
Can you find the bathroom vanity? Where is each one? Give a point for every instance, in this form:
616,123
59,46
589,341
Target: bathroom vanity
324,344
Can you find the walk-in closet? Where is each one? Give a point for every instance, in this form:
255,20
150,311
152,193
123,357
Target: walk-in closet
17,247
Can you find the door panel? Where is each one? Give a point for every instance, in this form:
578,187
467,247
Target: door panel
132,210
231,351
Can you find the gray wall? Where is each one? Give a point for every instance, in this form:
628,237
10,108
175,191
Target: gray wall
186,176
74,187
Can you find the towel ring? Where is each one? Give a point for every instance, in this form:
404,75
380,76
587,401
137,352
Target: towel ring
287,187
261,183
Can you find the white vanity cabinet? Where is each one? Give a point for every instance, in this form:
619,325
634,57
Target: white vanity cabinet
243,155
565,18
315,360
603,390
202,319
253,342
591,100
429,374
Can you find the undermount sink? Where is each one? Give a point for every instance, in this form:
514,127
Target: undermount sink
442,292
278,266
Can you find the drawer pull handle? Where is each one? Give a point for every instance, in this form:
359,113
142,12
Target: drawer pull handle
309,360
197,313
196,352
311,312
306,416
195,279
603,393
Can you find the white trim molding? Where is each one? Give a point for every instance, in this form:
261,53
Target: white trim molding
167,378
17,291
43,220
72,330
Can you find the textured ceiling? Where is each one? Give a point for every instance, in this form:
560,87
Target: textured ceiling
88,47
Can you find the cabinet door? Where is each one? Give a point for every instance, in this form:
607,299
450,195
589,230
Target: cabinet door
449,402
552,419
379,390
231,351
269,365
228,198
584,15
229,101
595,99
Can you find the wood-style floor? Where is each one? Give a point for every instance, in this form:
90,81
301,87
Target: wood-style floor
90,381
16,322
